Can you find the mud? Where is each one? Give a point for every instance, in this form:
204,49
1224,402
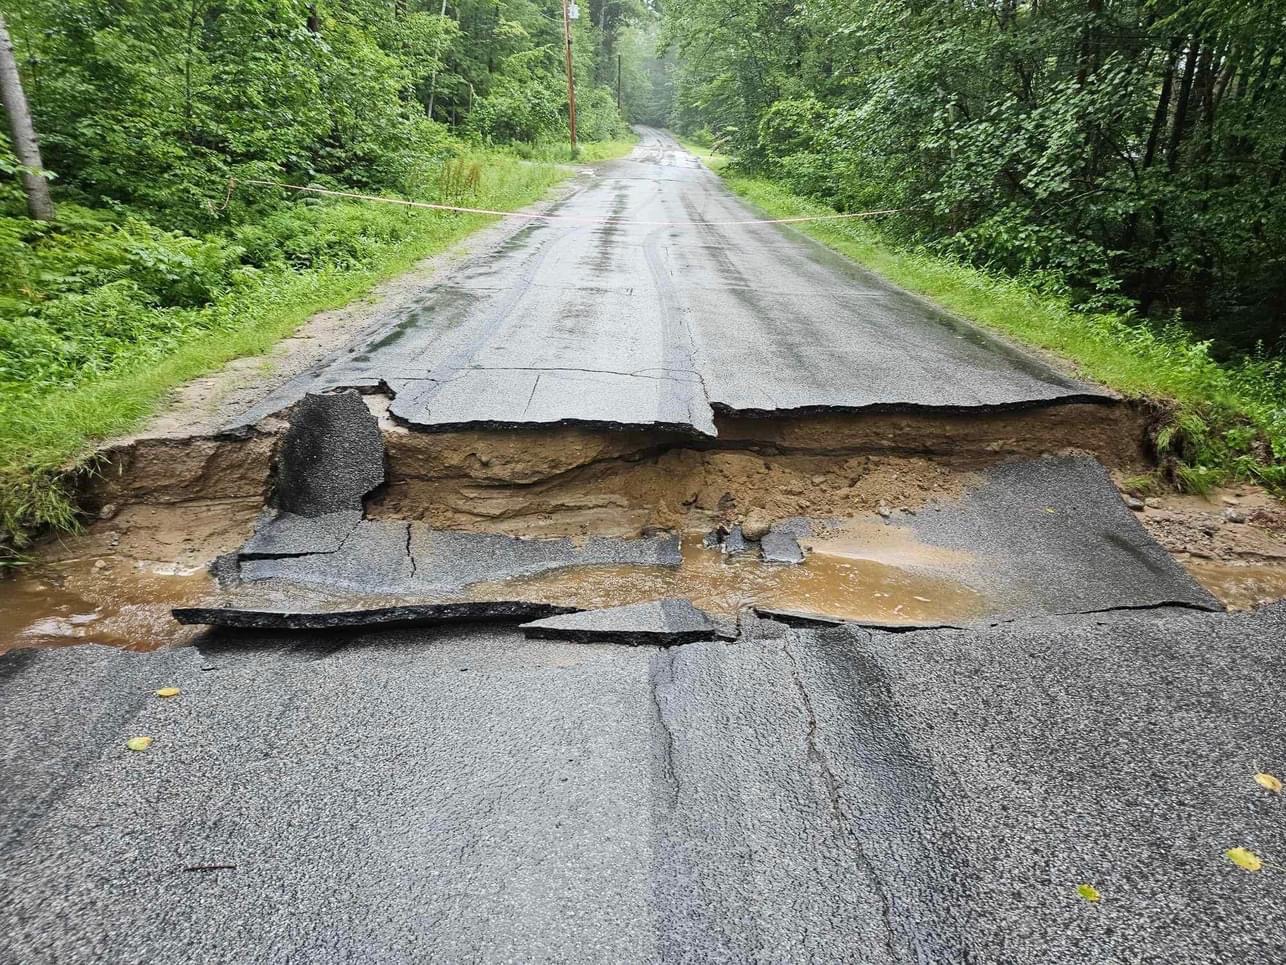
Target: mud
571,480
169,471
836,579
1243,586
1233,541
111,601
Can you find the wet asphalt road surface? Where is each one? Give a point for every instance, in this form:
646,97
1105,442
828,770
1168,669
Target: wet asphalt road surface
465,794
796,794
665,323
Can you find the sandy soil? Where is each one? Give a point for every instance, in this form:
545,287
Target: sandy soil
1232,540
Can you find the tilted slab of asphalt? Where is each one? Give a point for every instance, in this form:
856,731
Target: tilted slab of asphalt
839,795
1052,536
656,325
660,622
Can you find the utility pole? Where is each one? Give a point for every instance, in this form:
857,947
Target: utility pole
39,205
571,78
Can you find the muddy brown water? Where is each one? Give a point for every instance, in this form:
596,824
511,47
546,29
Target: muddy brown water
1240,586
840,578
862,572
122,604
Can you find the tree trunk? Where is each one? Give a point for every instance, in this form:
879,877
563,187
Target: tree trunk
1163,107
39,205
1181,105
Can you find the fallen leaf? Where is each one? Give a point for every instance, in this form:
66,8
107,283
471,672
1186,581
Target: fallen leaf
1088,892
139,743
1268,782
1050,509
1244,859
168,692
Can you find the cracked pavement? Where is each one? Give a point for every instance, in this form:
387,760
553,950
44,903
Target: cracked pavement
664,326
838,795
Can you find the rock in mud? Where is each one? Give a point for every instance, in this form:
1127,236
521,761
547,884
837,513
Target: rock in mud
756,524
658,623
779,546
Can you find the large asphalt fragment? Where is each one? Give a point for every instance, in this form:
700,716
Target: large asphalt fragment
330,456
1051,536
658,622
397,573
404,615
835,795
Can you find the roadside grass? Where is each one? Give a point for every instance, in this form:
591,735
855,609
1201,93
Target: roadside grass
1222,420
50,421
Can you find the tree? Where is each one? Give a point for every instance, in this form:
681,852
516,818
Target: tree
39,205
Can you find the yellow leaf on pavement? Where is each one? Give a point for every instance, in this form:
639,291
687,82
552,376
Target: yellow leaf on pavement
1088,892
1268,782
139,743
168,692
1244,859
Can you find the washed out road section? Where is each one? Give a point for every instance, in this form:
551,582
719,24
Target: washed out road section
664,325
467,793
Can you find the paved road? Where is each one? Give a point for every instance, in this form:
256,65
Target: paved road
662,325
467,795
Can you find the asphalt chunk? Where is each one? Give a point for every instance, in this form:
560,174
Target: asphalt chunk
406,615
660,622
1051,536
330,456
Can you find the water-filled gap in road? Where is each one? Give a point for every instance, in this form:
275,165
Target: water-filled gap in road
167,507
837,581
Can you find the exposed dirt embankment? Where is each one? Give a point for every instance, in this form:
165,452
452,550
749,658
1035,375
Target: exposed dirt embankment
573,480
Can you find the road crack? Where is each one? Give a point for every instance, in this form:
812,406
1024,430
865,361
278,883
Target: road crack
661,673
820,760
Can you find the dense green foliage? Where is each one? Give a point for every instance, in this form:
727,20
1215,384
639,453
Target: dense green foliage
1124,154
146,110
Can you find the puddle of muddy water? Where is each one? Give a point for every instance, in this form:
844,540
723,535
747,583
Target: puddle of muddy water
121,603
842,577
1240,586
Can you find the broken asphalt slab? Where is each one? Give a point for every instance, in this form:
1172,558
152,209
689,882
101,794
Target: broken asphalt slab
824,795
330,456
1052,536
662,326
388,557
404,615
659,622
405,573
